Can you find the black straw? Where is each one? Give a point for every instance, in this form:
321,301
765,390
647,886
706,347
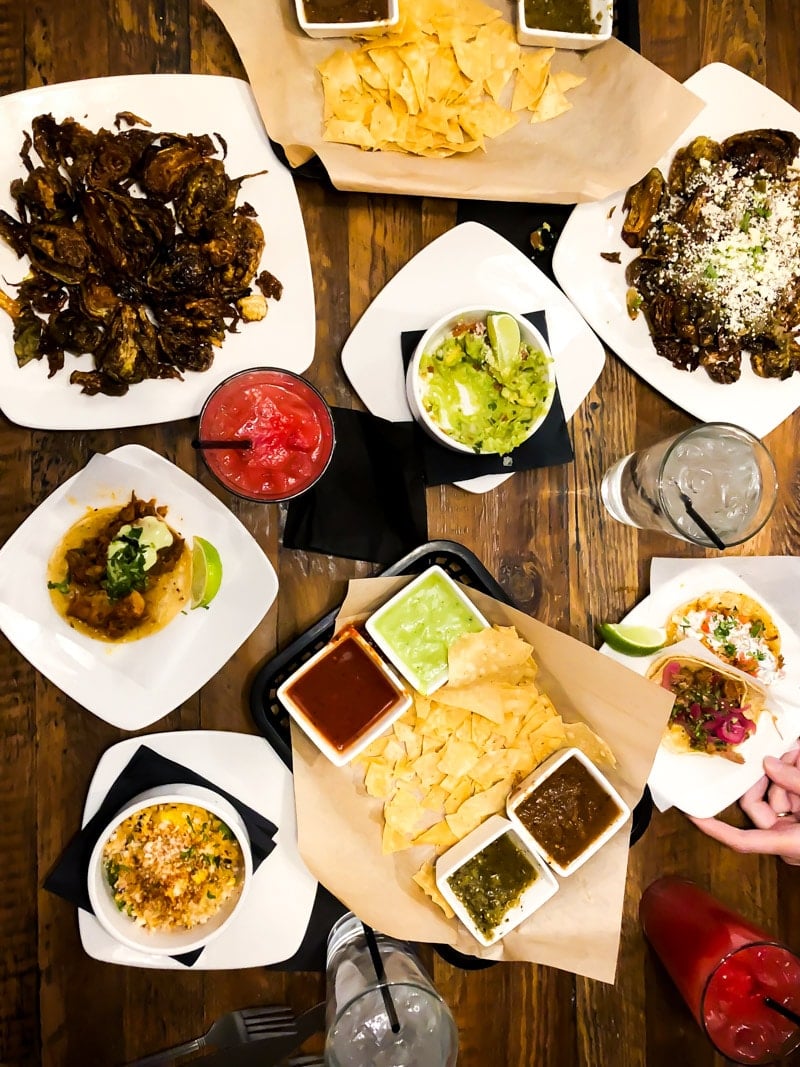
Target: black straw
787,1013
710,533
239,442
380,974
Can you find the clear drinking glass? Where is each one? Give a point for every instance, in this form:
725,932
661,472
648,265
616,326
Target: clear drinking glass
713,485
360,1028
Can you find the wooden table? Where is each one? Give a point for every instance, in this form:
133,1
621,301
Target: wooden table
544,534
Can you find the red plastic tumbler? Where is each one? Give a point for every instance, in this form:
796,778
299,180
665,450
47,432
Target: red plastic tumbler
724,967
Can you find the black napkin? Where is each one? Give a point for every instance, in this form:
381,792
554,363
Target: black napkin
370,503
550,446
146,769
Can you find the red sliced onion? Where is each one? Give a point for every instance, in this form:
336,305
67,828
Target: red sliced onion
670,672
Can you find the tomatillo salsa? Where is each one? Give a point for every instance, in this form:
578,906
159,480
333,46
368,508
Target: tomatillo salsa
287,423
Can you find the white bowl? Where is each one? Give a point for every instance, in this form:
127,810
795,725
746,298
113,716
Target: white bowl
347,29
579,42
401,705
167,943
433,337
535,779
531,900
407,669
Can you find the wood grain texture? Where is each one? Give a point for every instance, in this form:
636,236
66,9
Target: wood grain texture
544,533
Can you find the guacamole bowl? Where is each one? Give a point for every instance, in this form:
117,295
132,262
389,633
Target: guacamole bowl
481,380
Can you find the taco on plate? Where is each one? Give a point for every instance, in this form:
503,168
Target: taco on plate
120,573
735,627
715,710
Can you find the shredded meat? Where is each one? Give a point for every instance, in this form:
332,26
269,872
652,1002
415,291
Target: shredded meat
89,602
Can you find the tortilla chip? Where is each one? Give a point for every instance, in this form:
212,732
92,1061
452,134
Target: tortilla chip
552,103
579,735
532,74
492,653
426,880
448,63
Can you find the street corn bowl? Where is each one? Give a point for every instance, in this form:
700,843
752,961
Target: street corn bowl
170,871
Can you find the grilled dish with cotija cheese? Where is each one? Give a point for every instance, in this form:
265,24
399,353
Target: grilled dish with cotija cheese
719,273
120,573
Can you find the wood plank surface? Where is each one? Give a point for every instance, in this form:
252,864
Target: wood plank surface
544,533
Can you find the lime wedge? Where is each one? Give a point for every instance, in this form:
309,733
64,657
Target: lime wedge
504,337
206,572
632,640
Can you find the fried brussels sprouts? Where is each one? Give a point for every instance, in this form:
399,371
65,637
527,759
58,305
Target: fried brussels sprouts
140,257
641,203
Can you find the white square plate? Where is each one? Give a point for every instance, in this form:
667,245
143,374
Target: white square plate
469,265
275,916
699,784
181,103
133,684
597,288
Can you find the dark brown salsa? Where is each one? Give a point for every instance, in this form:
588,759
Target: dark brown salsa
567,16
567,812
344,693
326,11
492,882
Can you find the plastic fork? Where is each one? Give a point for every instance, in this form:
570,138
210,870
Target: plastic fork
234,1028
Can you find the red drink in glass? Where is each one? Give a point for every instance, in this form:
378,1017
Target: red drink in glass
724,967
288,424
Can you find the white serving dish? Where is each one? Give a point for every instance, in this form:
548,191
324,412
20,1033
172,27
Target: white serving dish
602,10
696,783
247,767
470,264
185,103
535,779
597,287
132,684
336,757
531,900
405,669
433,337
161,942
346,29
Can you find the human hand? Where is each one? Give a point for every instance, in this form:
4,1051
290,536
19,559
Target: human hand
773,806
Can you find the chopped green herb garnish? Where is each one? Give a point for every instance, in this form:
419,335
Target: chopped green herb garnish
62,587
125,568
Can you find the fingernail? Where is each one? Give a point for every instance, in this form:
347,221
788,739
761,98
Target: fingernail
770,760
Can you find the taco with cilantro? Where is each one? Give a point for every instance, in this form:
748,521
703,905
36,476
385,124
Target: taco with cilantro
120,573
736,628
715,709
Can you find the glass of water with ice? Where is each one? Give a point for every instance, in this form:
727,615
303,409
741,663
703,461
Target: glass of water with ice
714,485
382,1009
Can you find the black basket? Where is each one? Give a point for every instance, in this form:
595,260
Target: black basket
271,717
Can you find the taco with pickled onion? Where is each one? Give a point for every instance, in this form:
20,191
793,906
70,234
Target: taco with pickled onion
120,573
736,628
715,709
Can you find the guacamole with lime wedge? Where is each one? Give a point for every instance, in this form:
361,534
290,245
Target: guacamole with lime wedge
484,396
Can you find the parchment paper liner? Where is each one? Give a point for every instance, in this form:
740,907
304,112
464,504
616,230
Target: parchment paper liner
339,826
625,116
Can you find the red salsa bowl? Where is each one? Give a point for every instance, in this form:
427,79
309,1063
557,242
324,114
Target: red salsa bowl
288,423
